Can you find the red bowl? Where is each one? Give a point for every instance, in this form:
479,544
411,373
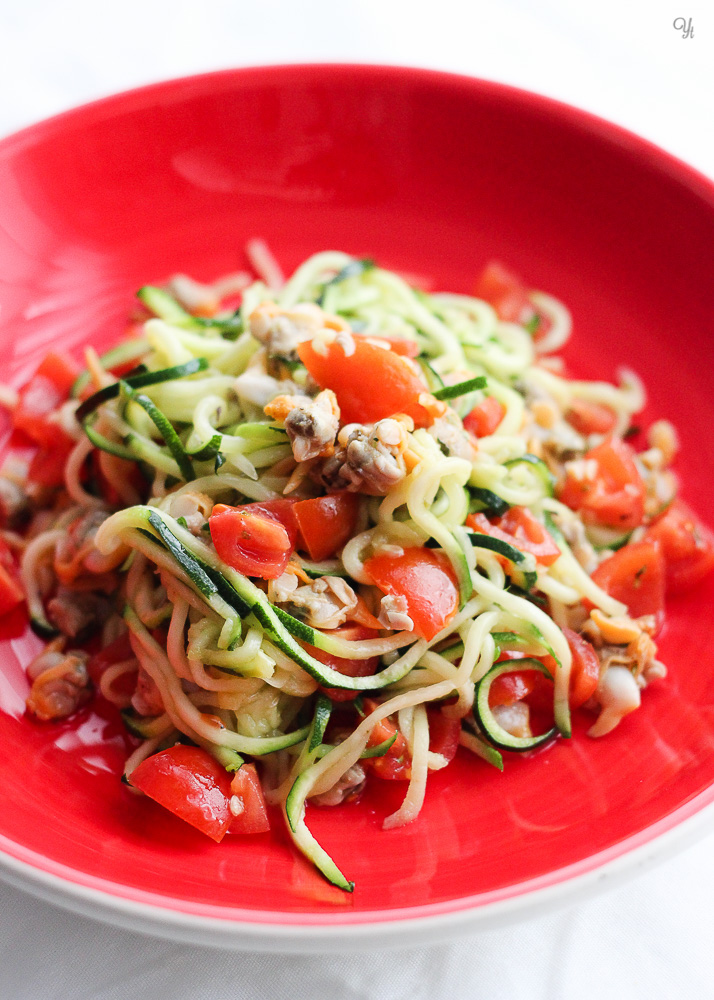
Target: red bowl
432,174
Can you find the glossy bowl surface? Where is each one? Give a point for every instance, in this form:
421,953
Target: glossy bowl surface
434,175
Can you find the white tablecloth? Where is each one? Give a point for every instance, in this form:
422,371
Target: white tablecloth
646,940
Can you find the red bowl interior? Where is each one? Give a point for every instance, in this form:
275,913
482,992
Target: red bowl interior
430,174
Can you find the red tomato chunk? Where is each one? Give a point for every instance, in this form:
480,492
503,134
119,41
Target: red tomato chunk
191,784
326,523
425,579
611,491
45,391
396,764
253,817
635,575
686,544
254,538
485,418
370,384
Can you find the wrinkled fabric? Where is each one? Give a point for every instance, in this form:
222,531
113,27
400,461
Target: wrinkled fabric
649,939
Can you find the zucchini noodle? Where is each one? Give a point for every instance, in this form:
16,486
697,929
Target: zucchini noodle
315,525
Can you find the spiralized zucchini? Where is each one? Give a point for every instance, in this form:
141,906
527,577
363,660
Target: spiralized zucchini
191,417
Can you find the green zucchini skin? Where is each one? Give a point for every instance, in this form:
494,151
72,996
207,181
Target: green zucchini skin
462,388
139,382
351,270
304,840
541,469
486,502
523,562
165,429
242,595
496,735
135,723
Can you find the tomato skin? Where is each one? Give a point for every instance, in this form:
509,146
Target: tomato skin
510,688
254,818
686,544
519,528
485,418
350,668
326,523
425,579
504,290
400,345
11,593
396,764
370,384
635,575
48,464
443,733
191,784
252,542
590,418
281,510
585,670
44,392
615,496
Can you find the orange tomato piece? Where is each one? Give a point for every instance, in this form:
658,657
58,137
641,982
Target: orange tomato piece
485,417
590,418
370,384
254,543
611,492
254,817
635,575
686,545
425,579
326,523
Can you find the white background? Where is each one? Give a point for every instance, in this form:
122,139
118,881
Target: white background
621,59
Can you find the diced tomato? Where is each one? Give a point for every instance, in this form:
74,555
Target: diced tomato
635,575
612,493
191,784
590,418
585,670
326,523
11,593
686,545
504,290
370,384
252,540
48,387
118,650
510,688
400,345
396,764
281,510
350,668
425,579
254,817
443,733
520,529
48,464
485,418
